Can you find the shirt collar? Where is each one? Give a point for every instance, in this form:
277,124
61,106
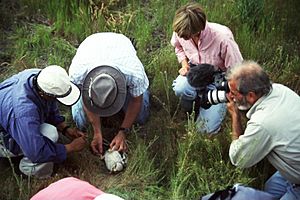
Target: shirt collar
255,106
205,32
35,92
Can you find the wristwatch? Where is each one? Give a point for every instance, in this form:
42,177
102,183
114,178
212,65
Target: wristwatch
125,130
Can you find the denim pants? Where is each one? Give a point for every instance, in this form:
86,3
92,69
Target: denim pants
79,116
239,192
38,170
209,120
282,189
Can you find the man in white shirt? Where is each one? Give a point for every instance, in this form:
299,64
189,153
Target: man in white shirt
112,78
273,129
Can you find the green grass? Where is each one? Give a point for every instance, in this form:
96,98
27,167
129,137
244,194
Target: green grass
167,158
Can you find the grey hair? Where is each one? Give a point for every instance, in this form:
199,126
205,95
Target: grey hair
250,77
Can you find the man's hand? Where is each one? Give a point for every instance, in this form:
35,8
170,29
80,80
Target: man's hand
74,133
96,144
76,145
231,106
235,118
119,142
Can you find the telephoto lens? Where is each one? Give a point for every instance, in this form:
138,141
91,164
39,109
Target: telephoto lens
201,76
215,96
218,95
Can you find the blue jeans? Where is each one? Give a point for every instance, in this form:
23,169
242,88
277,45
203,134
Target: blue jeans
241,193
282,189
208,120
79,116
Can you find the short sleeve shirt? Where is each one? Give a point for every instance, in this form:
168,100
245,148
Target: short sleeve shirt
111,49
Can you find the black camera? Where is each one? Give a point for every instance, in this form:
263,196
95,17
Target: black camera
201,76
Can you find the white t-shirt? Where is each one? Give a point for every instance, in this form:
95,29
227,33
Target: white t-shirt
111,49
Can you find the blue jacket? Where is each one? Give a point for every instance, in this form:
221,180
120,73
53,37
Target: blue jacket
22,111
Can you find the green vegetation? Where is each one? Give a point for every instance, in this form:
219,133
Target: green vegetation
167,158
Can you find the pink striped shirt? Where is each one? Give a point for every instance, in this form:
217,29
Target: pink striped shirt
216,46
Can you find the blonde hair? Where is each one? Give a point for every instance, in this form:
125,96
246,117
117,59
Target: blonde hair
189,20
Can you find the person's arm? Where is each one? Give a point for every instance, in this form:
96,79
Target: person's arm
69,131
53,116
230,53
182,58
251,147
76,145
133,109
79,138
38,148
237,128
97,141
185,67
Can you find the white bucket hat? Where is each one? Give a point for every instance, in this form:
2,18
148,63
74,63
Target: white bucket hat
104,90
55,82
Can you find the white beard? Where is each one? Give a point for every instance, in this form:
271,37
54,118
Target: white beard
243,104
244,107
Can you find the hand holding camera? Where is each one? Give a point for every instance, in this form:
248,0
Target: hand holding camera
203,76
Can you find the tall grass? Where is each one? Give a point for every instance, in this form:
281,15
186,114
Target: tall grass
170,161
201,166
37,46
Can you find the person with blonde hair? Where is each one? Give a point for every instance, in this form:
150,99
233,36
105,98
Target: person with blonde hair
273,129
197,41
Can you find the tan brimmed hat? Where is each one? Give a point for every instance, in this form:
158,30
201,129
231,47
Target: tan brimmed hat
104,91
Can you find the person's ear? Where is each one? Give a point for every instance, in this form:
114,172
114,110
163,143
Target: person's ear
251,97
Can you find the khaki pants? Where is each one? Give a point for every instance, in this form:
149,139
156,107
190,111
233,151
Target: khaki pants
39,170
